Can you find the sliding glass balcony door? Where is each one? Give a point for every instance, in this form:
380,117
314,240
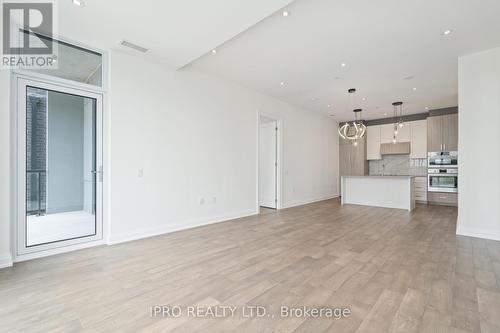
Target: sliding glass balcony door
59,165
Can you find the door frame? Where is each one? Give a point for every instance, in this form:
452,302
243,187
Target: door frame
279,159
20,249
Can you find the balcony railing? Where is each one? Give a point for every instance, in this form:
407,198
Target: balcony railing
39,211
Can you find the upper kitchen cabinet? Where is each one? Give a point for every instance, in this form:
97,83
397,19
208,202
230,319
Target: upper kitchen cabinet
450,132
404,133
386,133
373,143
434,134
418,139
414,132
442,133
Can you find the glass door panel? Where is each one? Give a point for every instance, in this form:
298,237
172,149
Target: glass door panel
62,175
443,181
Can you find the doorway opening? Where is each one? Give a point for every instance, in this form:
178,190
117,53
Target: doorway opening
59,165
269,164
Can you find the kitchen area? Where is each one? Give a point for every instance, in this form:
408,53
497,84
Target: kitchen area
401,161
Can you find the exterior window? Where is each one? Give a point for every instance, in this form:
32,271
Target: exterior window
74,63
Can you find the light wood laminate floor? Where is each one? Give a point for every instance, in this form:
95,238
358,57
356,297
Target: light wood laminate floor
396,271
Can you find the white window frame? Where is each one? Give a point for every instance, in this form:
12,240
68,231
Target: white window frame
17,138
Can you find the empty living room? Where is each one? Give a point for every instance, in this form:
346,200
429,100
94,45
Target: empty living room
250,166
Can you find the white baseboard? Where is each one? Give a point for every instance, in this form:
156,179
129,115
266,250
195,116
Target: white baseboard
478,234
5,260
156,231
305,202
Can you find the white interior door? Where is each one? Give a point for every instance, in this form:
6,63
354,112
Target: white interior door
268,165
59,166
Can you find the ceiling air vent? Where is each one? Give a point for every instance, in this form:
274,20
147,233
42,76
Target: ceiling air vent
134,46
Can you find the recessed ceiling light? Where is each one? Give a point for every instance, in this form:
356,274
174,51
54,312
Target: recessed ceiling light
282,83
447,32
343,64
332,115
79,3
328,105
427,108
385,114
214,51
313,98
414,89
364,98
409,77
286,13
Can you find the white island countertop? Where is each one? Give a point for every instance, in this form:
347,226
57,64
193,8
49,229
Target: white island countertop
380,176
379,191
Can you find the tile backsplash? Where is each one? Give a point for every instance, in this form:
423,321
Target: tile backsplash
398,165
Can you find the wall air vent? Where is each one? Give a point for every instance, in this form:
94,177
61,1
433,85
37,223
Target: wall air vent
134,46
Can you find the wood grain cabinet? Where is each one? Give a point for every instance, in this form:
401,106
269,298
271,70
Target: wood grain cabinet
442,133
445,199
418,139
450,132
421,189
353,158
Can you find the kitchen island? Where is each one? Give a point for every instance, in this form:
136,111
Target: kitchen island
379,191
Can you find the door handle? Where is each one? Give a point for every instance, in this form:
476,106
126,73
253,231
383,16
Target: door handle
98,173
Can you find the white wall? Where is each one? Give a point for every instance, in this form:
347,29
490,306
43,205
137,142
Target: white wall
195,137
5,257
479,145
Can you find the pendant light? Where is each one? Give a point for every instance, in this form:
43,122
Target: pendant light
357,127
397,119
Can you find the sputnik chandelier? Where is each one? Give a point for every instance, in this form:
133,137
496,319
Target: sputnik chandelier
356,129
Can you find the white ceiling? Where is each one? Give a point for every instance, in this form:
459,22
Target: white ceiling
381,41
176,31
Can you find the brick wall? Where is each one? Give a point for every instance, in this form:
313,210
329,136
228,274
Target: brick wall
36,149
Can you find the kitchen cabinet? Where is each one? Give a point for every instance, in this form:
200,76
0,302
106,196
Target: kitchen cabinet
442,133
418,139
421,189
404,133
398,148
353,158
434,134
414,132
450,132
386,133
373,143
445,199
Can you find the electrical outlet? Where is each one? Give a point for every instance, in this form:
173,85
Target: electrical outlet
140,173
